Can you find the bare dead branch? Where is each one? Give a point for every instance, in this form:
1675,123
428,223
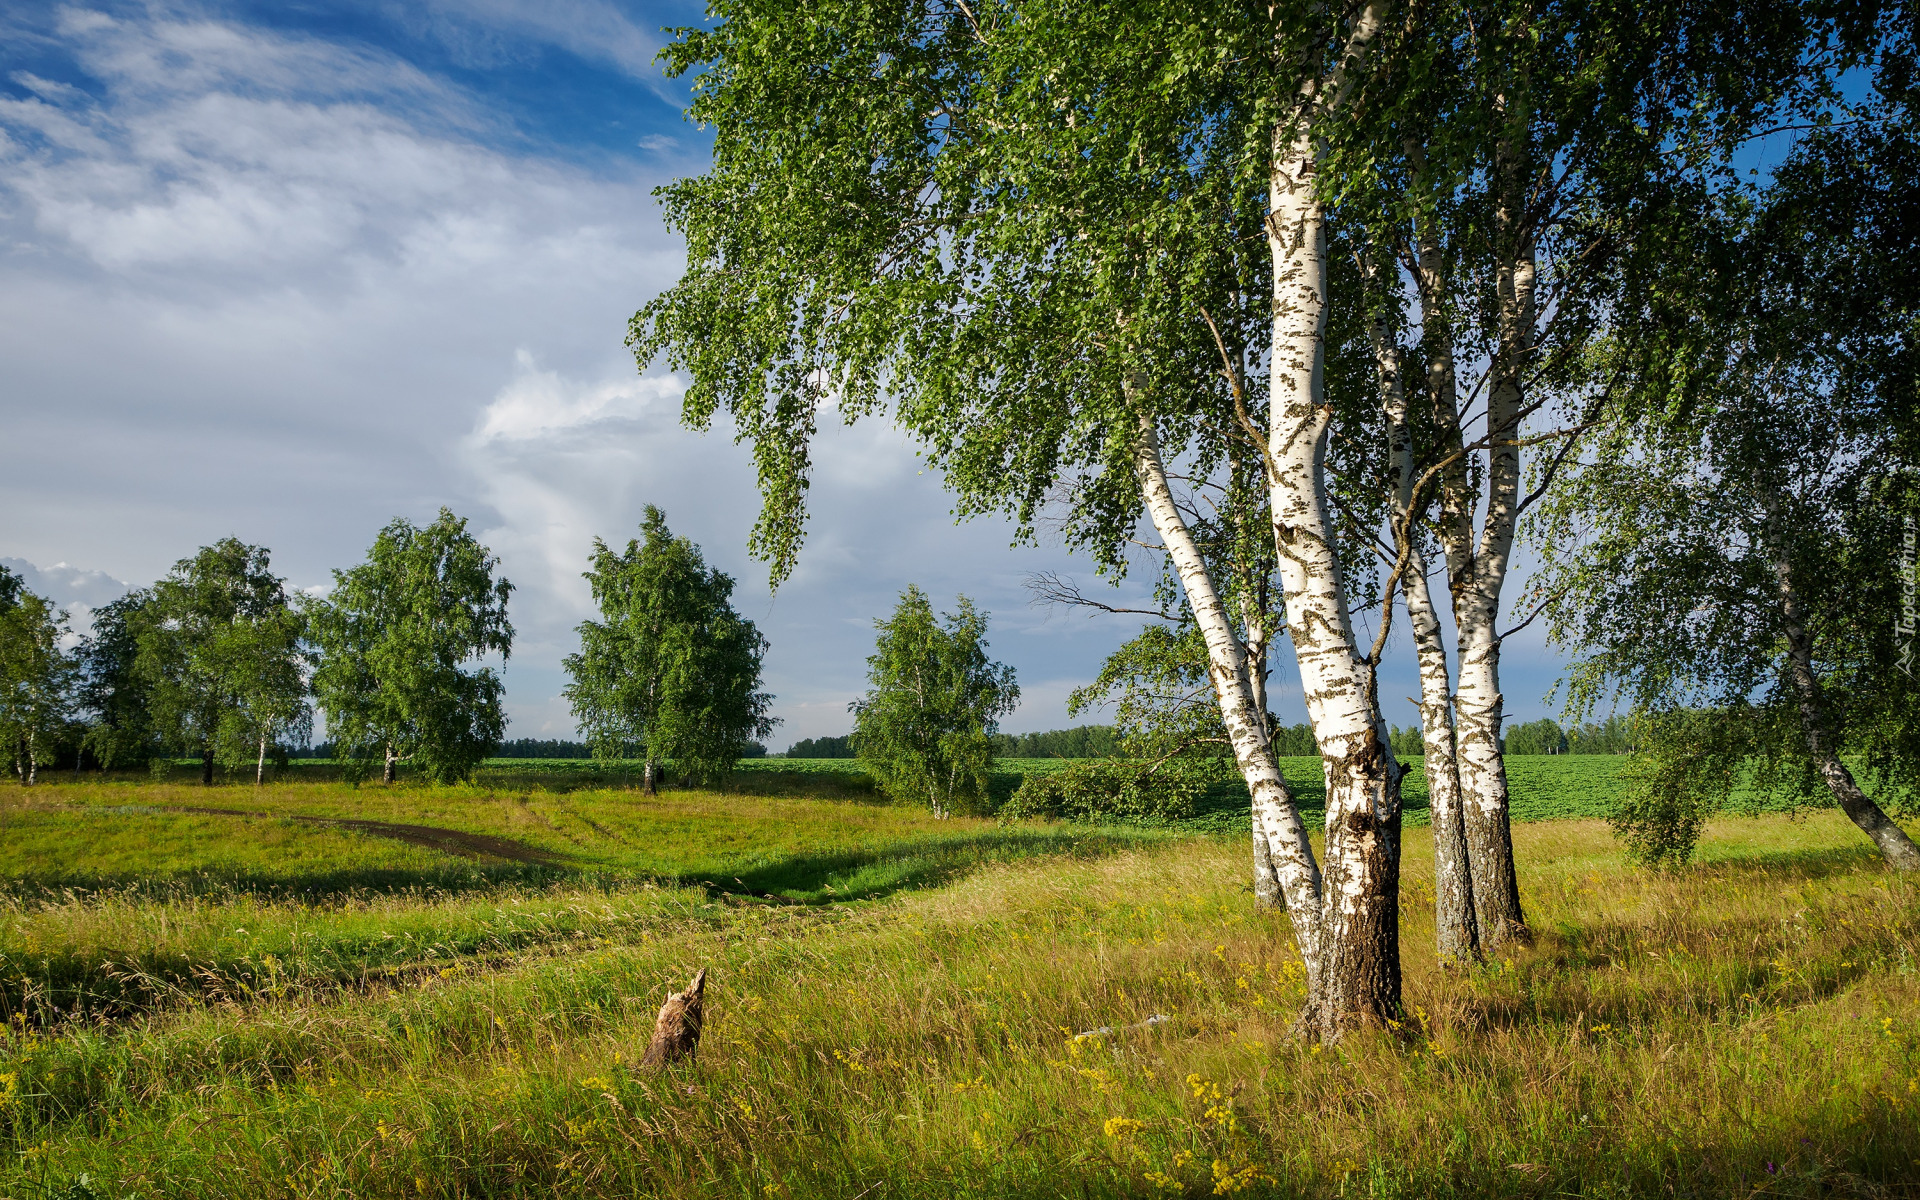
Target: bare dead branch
1050,587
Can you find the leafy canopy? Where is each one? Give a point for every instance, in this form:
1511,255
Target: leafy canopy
1772,446
391,641
670,670
1003,220
36,676
115,697
925,729
218,652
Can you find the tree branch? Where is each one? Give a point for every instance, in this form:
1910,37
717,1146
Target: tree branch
1050,587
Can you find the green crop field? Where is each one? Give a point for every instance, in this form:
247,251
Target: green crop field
310,990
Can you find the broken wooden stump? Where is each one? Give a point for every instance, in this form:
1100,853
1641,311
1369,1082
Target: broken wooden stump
676,1031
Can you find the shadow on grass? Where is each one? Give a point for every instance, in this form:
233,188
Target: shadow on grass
559,775
1822,863
829,877
879,872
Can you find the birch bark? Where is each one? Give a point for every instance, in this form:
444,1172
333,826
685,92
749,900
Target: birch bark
1477,567
1276,819
1359,923
1476,589
1268,893
1456,923
1456,932
1458,926
1891,840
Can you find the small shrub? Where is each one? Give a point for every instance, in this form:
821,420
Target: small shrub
1108,788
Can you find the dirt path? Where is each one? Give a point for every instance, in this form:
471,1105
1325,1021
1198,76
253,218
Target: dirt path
452,841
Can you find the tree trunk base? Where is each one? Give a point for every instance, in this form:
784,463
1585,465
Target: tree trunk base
676,1031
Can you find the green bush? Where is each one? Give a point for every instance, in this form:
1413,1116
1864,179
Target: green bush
1108,787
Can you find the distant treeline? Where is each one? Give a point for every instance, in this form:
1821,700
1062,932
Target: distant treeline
542,748
518,748
524,748
826,747
1082,741
1611,736
1615,735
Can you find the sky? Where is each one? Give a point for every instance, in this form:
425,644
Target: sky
288,271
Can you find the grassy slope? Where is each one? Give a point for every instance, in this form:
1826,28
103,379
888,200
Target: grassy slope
470,1035
797,848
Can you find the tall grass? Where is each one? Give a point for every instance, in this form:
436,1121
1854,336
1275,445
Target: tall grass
1745,1026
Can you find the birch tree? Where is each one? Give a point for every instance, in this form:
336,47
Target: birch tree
1520,167
925,729
200,645
1032,235
1739,543
670,670
1160,682
391,644
270,711
36,678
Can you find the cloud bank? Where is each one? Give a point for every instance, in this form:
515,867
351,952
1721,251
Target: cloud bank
287,283
268,284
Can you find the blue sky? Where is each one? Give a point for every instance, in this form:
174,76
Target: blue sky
285,271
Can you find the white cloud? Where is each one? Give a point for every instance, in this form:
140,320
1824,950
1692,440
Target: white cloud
169,54
238,178
592,29
68,585
262,285
541,405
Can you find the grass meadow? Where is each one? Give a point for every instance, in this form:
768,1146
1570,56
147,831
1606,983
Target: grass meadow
310,990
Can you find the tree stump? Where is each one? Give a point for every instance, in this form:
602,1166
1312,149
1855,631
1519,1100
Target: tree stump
676,1031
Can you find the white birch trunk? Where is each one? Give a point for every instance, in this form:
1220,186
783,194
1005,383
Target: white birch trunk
1477,590
260,766
1891,840
1276,818
1456,933
1268,892
1459,924
1456,924
1360,968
